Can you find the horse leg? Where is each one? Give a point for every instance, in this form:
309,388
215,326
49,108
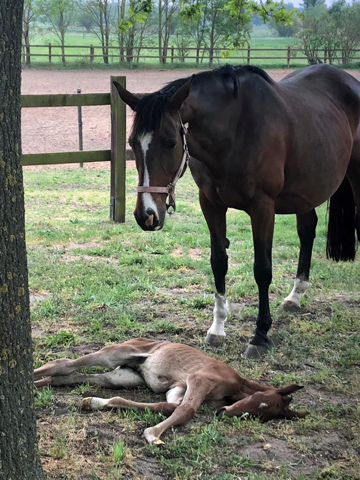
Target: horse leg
118,378
306,228
215,217
198,388
262,214
174,397
110,357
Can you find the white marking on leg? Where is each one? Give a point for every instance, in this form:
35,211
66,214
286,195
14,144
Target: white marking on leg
221,309
175,395
98,403
300,287
145,140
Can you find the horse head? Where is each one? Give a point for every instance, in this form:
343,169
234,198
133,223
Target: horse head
266,405
158,139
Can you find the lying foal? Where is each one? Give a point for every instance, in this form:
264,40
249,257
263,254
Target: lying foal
186,375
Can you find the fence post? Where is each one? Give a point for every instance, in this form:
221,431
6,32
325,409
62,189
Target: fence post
118,154
248,55
80,125
49,52
91,55
172,55
288,56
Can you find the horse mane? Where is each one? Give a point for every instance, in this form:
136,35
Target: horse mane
150,109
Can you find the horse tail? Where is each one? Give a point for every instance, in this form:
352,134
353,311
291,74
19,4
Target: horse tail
341,243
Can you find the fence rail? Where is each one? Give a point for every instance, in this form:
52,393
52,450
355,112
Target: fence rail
179,54
116,155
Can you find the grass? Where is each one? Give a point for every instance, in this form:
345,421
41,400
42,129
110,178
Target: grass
101,283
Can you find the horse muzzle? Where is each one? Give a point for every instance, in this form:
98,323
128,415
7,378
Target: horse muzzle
148,220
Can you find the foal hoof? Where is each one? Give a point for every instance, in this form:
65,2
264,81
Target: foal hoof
215,340
255,352
290,306
151,438
86,403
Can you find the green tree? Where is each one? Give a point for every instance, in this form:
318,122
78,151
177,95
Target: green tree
312,3
283,30
30,14
60,14
99,12
19,458
346,21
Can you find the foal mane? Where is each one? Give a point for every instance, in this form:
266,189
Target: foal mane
150,109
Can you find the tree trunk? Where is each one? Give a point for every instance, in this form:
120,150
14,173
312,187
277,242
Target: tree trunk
19,457
160,32
62,29
27,44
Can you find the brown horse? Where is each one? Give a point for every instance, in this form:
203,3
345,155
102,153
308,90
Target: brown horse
258,146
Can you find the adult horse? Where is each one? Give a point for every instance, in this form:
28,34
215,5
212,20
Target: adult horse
258,146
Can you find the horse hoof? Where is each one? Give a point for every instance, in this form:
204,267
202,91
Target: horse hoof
86,403
255,352
151,438
215,340
290,306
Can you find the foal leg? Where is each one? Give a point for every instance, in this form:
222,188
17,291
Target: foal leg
110,357
174,397
215,217
118,378
262,215
198,388
306,228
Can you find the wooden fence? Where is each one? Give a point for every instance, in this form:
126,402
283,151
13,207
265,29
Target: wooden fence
247,55
116,155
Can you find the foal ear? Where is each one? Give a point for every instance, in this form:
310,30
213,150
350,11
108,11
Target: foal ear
127,96
289,389
181,95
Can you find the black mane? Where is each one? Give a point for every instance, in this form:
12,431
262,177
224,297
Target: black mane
150,109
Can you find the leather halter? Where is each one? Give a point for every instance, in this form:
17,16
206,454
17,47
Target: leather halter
170,189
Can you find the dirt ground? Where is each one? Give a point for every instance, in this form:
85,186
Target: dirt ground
56,129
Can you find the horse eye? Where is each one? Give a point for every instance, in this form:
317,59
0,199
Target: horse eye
170,145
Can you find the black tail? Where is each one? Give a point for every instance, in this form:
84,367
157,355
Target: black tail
341,243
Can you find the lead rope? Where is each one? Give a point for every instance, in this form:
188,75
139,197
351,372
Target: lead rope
184,160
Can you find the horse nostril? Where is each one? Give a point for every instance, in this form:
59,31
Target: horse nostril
150,211
150,217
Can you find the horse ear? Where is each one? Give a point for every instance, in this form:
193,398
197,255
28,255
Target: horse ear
288,389
126,96
181,95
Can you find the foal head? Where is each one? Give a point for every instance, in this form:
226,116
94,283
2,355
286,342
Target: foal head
266,405
158,141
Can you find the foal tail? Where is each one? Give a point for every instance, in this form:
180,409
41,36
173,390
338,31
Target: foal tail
341,243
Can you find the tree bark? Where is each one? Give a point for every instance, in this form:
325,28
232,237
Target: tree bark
19,459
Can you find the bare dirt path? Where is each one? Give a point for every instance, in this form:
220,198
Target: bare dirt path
56,130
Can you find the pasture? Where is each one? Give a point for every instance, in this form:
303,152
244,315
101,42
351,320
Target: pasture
261,38
94,282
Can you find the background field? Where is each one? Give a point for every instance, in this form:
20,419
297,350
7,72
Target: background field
94,282
262,38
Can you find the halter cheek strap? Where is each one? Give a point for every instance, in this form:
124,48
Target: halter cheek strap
169,190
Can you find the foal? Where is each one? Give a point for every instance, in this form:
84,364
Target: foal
187,376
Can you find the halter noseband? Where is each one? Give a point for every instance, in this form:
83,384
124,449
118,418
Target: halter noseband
170,189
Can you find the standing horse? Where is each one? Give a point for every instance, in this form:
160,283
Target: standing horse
258,146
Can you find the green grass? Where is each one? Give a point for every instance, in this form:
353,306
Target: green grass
105,283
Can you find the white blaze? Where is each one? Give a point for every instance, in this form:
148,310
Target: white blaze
145,140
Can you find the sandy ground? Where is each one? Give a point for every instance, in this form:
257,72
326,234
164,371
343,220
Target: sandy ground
56,129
